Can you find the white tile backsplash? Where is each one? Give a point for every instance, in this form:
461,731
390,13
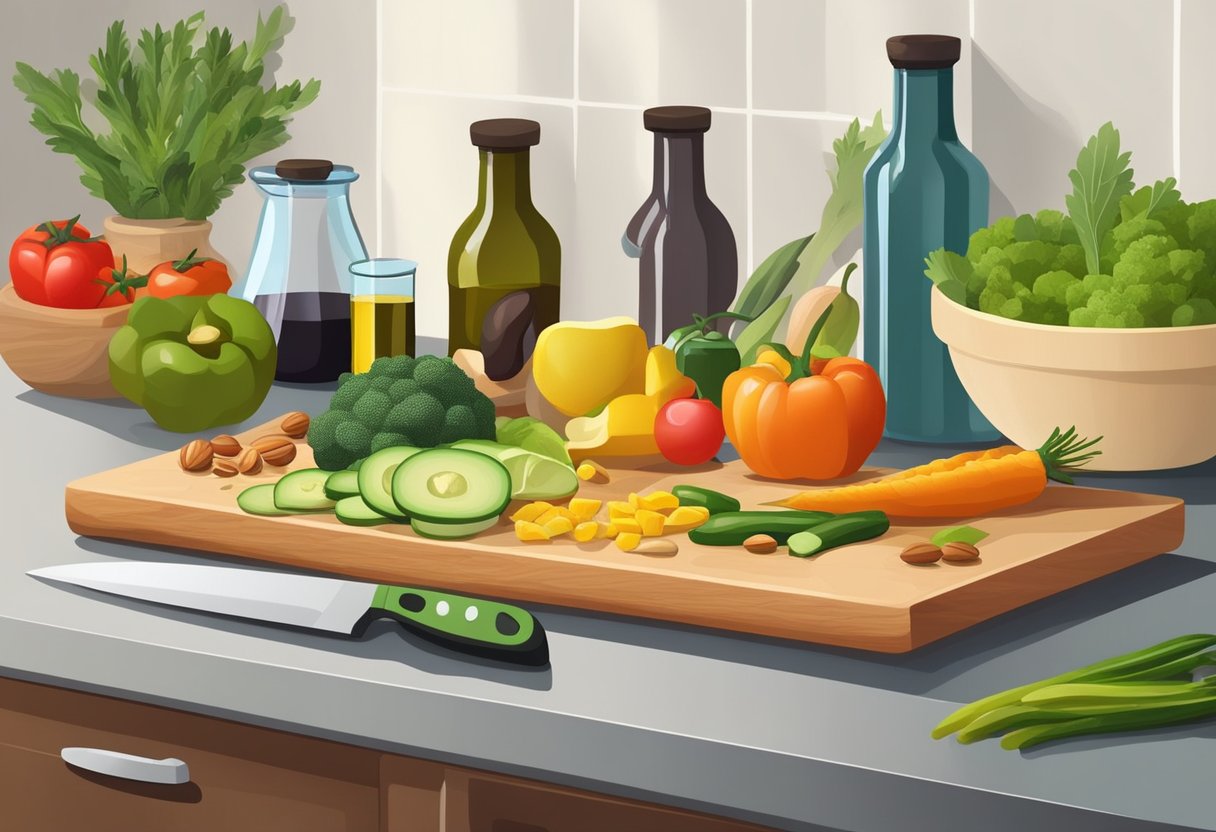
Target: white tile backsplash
487,47
1041,90
430,183
858,76
789,70
650,52
789,179
1197,168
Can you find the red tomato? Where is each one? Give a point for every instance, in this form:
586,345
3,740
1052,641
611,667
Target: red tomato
119,285
689,431
56,264
189,276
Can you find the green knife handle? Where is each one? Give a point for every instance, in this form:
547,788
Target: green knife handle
469,625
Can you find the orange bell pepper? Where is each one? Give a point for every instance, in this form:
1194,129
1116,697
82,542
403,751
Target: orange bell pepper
819,420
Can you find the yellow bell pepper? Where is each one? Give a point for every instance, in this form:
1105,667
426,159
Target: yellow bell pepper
579,366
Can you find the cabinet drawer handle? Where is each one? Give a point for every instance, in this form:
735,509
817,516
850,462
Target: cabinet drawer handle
170,771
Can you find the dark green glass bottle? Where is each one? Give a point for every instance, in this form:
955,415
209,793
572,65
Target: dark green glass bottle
505,245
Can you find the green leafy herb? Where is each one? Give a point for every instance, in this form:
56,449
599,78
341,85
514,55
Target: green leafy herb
186,111
761,331
1148,200
959,534
950,272
769,279
1100,180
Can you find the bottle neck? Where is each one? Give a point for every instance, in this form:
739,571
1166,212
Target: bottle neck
504,180
679,165
924,104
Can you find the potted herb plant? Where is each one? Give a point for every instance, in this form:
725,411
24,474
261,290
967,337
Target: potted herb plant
187,108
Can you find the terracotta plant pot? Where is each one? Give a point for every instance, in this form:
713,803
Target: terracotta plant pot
63,352
148,242
1149,393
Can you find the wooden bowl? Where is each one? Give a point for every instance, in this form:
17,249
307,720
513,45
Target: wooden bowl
64,352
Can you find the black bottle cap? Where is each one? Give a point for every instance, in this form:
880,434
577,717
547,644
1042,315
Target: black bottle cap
924,51
679,119
305,170
505,133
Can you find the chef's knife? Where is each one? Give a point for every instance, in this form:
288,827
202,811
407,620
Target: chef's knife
470,625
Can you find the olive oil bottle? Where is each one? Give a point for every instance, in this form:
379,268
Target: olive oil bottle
381,311
504,245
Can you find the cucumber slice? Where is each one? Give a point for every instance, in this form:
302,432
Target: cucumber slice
451,531
376,480
342,484
259,499
303,491
446,485
354,512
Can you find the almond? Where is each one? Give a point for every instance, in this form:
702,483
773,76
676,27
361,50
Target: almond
249,462
921,553
224,468
760,544
195,455
275,449
656,546
225,445
959,552
295,424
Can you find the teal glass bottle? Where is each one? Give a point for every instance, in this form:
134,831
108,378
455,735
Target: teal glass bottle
922,190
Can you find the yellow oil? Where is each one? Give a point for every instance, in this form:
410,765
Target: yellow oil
380,326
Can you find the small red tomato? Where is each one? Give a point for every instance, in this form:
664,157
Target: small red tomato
56,264
120,284
689,431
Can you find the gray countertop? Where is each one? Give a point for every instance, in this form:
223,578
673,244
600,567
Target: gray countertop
791,735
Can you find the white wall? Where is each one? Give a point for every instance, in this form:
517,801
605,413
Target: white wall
336,46
783,77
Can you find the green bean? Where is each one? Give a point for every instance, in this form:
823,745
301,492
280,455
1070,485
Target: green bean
1007,718
1122,721
1110,693
1141,660
1177,668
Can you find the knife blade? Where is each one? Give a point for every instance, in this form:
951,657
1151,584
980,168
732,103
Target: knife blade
469,625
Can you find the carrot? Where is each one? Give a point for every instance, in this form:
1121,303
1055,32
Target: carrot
966,485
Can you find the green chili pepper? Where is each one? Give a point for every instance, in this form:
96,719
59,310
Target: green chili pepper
706,355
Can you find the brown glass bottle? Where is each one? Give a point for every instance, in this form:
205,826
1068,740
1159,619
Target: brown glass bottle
504,245
688,261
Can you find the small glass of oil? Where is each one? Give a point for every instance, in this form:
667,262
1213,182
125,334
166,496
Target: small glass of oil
381,310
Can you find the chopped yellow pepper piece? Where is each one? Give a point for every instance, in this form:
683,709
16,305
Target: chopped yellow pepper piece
586,532
530,532
559,526
627,525
558,511
607,530
583,508
628,541
591,471
651,522
686,518
619,508
531,511
658,500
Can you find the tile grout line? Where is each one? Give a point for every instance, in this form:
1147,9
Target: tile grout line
576,81
514,98
379,153
1176,103
748,142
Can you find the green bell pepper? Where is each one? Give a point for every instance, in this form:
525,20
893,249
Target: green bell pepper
194,362
706,355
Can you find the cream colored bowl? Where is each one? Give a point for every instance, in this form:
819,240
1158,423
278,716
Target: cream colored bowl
64,352
1150,393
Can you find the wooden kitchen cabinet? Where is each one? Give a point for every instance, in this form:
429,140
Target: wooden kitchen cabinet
241,777
247,778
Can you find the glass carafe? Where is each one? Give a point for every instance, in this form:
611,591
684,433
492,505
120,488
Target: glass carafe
299,274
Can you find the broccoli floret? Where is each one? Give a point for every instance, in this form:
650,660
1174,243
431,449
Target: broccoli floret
400,401
354,438
385,439
419,417
998,235
372,408
1054,227
1108,308
1051,291
1070,258
460,423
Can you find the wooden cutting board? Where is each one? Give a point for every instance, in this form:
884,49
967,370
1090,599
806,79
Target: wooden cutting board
859,596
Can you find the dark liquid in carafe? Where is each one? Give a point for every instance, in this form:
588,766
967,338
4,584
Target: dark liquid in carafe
314,336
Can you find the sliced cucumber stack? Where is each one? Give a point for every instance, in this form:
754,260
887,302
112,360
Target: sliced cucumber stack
259,500
354,512
342,484
375,480
450,493
303,491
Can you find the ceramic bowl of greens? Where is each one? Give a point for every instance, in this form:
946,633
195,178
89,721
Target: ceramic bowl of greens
1150,392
